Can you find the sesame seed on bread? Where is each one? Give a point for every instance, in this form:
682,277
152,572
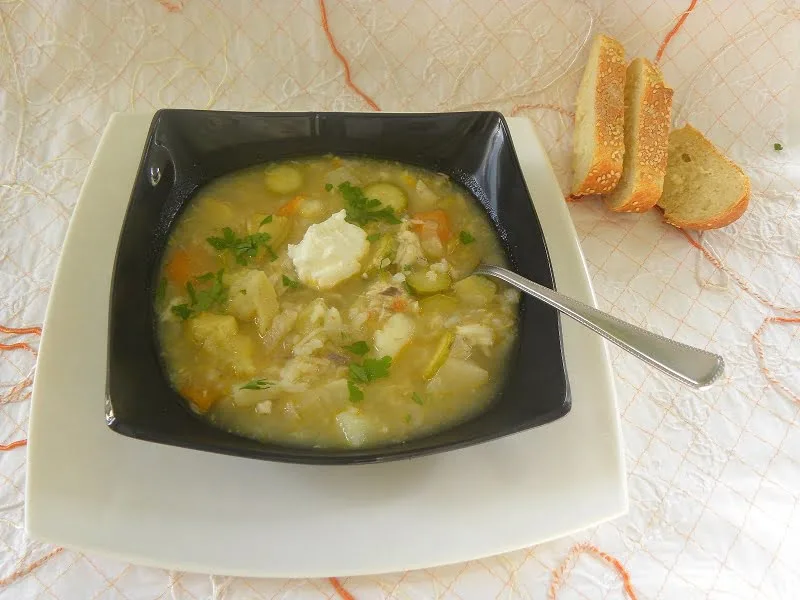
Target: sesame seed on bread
599,143
648,106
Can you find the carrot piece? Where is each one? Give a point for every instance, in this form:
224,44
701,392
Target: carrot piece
439,217
399,305
201,398
288,209
179,268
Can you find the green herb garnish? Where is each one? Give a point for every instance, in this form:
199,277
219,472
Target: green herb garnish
408,418
466,237
778,147
374,237
417,398
182,310
377,368
362,210
359,348
243,292
290,283
257,384
265,220
201,295
328,187
161,290
369,370
356,395
244,248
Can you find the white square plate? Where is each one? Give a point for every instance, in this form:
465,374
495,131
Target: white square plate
97,491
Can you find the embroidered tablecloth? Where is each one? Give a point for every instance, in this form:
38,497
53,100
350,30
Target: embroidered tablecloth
714,477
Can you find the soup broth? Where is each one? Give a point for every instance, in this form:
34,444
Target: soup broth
328,302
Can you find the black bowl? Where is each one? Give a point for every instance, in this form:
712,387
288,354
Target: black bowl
186,149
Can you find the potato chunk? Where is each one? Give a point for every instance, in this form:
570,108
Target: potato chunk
219,336
252,296
456,376
395,335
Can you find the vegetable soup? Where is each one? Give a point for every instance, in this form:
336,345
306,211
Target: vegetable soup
328,302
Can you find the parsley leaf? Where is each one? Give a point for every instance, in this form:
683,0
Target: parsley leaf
466,237
328,187
408,418
244,248
373,237
182,310
778,146
358,373
257,384
377,368
356,395
161,290
290,283
359,348
265,220
417,398
204,297
362,210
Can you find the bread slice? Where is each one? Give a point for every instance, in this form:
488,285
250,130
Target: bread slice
648,106
599,115
703,189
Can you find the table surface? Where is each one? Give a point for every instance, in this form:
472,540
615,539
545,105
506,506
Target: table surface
714,477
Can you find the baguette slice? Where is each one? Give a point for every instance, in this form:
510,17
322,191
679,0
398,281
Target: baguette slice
703,189
599,116
648,105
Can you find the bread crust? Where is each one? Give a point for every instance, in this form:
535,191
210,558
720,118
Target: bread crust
650,162
726,218
609,114
736,210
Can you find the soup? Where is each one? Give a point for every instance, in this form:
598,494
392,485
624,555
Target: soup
328,302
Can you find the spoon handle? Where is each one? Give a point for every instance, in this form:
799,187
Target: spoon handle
692,366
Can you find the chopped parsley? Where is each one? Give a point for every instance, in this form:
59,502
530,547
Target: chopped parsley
374,237
369,370
257,384
202,296
182,310
408,418
328,187
466,237
778,146
265,220
290,283
161,290
417,398
242,248
362,210
359,348
356,395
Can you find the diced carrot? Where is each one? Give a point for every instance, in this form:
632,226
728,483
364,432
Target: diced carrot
179,268
290,207
201,398
442,223
399,305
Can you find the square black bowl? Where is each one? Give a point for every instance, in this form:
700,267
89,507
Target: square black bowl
186,149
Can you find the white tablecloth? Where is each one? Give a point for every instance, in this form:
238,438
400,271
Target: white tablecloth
714,477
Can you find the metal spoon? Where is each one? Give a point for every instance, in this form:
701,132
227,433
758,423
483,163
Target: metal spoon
692,366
